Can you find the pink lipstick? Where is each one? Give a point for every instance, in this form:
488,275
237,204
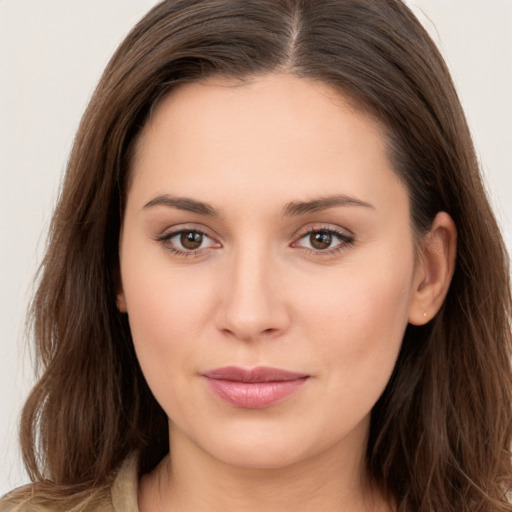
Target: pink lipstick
256,388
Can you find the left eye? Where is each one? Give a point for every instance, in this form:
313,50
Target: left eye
188,240
323,239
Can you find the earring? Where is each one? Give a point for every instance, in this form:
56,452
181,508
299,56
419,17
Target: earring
425,314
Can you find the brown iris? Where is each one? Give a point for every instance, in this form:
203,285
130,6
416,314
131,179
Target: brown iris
191,240
320,239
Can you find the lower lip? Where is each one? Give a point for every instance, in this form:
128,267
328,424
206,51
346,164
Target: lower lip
254,395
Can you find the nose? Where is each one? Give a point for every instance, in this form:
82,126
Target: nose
252,302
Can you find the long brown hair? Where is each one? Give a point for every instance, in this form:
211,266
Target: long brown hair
441,431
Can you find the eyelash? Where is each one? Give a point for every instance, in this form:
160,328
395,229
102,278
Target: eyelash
165,239
344,242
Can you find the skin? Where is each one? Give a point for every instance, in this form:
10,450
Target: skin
258,293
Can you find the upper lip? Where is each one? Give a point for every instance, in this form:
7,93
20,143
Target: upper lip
253,375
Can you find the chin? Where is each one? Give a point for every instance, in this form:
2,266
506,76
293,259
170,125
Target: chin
256,446
266,447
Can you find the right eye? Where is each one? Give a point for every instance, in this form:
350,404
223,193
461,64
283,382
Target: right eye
187,241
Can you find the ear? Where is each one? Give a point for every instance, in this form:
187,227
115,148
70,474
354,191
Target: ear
434,269
120,298
121,302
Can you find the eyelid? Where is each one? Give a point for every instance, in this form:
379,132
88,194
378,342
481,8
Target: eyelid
165,236
170,230
346,238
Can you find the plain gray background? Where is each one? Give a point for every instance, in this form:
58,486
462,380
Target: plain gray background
52,53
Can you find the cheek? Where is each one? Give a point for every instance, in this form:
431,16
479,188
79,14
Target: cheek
166,325
166,311
358,318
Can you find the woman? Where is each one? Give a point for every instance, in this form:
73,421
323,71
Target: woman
274,280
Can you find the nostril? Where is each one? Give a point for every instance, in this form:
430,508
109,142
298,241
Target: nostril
249,334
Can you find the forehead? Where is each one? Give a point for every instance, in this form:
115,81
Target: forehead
283,130
274,101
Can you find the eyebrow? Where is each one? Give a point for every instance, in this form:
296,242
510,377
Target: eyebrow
294,208
323,203
183,203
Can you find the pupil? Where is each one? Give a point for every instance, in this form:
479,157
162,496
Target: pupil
191,240
321,240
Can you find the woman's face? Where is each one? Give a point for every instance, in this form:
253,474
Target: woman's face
265,229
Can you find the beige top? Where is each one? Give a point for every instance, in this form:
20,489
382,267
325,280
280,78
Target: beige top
122,496
124,489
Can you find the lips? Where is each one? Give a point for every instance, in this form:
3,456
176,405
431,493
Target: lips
254,388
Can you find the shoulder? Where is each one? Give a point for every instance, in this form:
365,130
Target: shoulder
120,496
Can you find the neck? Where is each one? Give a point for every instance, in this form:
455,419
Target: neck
335,480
